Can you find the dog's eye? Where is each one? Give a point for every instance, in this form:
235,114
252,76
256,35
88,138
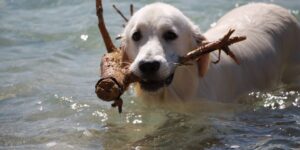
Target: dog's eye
136,36
169,36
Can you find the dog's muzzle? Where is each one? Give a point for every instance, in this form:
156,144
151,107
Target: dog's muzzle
153,85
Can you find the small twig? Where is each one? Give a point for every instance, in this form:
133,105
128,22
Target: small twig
131,10
118,103
120,13
219,57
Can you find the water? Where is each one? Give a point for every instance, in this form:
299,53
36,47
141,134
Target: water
49,61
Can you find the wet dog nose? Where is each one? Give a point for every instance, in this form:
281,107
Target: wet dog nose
149,67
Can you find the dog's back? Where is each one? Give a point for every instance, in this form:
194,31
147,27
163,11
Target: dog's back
270,54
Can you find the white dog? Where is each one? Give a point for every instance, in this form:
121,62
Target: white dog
158,34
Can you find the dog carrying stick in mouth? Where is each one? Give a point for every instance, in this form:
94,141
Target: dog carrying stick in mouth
116,75
158,37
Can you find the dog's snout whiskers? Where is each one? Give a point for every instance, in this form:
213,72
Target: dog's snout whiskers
181,64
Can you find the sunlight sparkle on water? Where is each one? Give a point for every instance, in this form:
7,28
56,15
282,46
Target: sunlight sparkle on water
237,5
78,107
51,144
234,146
64,98
101,114
277,100
133,118
84,37
296,103
294,12
41,108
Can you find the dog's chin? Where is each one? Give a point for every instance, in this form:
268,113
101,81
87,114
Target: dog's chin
155,85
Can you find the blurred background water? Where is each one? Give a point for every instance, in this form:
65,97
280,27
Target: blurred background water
49,62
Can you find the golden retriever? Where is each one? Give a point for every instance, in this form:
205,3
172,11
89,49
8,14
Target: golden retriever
159,33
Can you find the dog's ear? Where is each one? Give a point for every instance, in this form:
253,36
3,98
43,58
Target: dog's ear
203,61
198,37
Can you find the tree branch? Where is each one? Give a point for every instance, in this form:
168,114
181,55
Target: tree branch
221,44
110,47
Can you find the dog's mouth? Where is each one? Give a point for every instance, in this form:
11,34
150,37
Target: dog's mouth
154,85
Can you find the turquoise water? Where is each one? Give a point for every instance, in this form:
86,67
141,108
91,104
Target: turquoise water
49,63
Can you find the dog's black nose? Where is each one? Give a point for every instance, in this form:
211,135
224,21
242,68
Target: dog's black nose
149,67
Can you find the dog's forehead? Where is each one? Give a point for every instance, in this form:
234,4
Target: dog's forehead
159,14
158,8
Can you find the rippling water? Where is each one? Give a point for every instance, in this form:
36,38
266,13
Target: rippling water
49,61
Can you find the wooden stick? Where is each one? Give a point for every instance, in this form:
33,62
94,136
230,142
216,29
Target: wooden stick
119,12
115,77
111,51
131,10
110,47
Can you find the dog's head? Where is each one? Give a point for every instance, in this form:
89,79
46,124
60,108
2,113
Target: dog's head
154,38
